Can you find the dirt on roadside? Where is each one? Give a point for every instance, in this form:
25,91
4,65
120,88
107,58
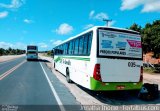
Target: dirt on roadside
9,57
151,78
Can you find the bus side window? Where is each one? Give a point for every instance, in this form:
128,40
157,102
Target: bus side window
85,45
59,50
76,46
62,50
81,45
55,51
89,43
70,47
65,48
73,46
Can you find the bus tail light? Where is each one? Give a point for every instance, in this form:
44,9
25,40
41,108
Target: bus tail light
141,74
97,73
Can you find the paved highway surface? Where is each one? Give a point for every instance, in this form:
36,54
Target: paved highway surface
31,86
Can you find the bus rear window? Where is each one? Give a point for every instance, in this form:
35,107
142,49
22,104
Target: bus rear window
119,44
31,52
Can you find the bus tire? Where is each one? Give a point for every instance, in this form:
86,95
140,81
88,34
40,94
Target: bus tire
68,76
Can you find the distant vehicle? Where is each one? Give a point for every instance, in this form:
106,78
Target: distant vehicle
32,52
102,58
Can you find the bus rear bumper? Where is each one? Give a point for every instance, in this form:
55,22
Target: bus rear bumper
113,86
32,58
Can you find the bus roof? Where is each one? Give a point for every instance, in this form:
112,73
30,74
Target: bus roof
96,27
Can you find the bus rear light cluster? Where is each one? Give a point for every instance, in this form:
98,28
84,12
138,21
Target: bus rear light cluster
97,73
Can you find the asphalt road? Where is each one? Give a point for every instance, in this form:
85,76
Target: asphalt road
31,86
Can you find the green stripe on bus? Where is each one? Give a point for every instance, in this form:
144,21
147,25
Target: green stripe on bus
112,86
76,58
57,59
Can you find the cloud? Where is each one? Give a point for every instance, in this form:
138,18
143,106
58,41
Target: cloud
152,7
42,45
130,4
91,14
148,5
64,29
110,24
13,5
17,45
56,42
88,26
5,45
99,16
27,21
3,14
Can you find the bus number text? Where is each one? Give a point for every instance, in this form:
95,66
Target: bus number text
131,64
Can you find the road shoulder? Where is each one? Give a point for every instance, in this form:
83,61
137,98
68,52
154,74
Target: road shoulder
9,58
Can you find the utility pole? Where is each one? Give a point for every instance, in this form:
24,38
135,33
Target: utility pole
107,21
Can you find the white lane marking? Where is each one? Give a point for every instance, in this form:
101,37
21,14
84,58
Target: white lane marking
11,70
53,90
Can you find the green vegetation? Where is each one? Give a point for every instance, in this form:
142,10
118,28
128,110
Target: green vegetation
149,70
49,53
150,37
11,51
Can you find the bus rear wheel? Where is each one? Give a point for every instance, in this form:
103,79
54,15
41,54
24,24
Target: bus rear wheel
68,76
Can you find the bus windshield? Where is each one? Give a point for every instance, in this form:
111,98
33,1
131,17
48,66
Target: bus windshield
119,44
31,48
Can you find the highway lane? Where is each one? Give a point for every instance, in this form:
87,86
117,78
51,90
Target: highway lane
5,66
32,85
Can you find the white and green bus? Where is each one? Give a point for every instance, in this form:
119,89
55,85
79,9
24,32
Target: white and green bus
32,52
102,58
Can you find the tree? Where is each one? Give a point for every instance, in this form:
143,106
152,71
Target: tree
2,51
11,51
150,37
135,27
49,53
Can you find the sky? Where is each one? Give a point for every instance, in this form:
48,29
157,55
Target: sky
46,23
